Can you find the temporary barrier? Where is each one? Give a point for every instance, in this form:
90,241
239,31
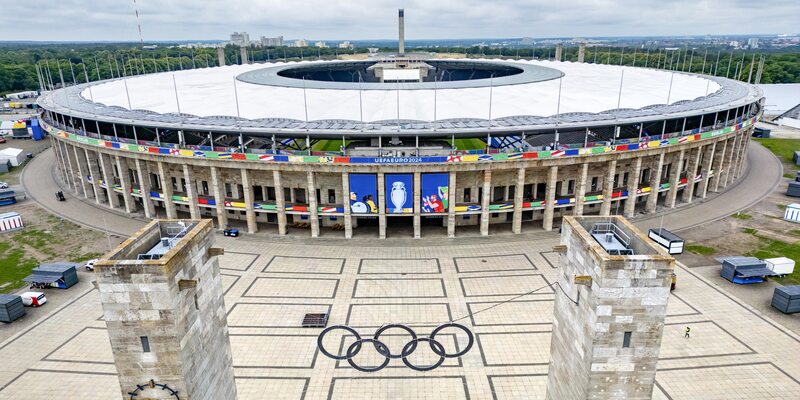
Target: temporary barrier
667,239
10,221
792,213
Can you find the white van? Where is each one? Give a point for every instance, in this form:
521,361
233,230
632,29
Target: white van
33,299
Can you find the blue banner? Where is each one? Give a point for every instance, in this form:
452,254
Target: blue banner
363,193
399,193
434,194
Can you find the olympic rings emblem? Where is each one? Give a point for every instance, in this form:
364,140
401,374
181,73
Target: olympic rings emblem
407,350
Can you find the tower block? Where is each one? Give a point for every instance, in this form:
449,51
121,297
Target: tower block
609,320
163,305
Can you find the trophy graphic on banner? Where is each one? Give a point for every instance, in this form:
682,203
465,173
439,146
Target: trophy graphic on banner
398,196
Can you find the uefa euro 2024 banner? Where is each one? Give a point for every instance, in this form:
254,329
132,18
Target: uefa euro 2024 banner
434,193
363,193
399,193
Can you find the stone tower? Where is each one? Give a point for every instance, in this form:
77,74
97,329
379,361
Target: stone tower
163,304
401,26
610,317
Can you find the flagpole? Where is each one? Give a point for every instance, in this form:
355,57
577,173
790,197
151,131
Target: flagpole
236,97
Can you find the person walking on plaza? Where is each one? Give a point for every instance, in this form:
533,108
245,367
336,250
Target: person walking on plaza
687,332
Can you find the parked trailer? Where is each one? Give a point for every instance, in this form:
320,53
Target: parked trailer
672,242
787,299
10,221
780,265
7,197
11,308
745,270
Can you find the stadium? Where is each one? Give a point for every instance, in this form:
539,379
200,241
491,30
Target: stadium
407,144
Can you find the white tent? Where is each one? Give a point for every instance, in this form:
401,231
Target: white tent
6,127
17,156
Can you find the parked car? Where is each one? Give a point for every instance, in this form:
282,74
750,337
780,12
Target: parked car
231,232
33,299
90,264
3,185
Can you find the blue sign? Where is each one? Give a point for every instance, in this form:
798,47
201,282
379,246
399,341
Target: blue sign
434,194
363,193
399,193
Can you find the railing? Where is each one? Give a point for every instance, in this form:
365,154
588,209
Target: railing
643,139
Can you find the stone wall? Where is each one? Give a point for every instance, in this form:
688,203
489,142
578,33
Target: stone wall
590,358
177,304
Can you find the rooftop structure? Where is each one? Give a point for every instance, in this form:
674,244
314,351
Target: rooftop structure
163,306
609,316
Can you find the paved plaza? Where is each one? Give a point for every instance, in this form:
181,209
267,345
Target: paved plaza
270,284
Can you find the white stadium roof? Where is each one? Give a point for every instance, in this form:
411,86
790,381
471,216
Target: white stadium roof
585,88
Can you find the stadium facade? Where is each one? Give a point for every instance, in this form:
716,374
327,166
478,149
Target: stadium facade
363,146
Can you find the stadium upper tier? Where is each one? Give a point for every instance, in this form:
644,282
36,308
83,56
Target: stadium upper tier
544,96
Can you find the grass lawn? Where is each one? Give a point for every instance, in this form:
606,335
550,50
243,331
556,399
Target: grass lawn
470,144
784,149
771,248
328,145
14,265
742,216
49,239
700,249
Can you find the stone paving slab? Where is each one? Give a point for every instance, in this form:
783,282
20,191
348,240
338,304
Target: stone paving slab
733,352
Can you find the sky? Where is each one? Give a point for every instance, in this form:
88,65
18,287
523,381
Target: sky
115,20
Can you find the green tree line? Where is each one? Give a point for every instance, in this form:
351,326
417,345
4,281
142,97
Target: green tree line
76,62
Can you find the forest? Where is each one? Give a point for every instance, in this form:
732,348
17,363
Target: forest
79,62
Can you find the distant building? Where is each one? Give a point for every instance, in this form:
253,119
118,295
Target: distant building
346,45
272,42
321,45
752,43
240,39
300,43
734,44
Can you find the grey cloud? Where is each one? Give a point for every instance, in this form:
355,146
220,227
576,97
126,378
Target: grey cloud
375,19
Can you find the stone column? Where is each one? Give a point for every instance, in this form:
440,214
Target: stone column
516,225
417,208
83,171
633,186
280,202
218,191
718,165
381,206
691,172
655,184
581,52
674,179
125,182
729,164
70,164
608,188
487,196
56,145
348,217
166,191
221,56
580,188
191,191
451,206
108,176
550,198
94,170
708,159
742,156
247,185
313,213
144,188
